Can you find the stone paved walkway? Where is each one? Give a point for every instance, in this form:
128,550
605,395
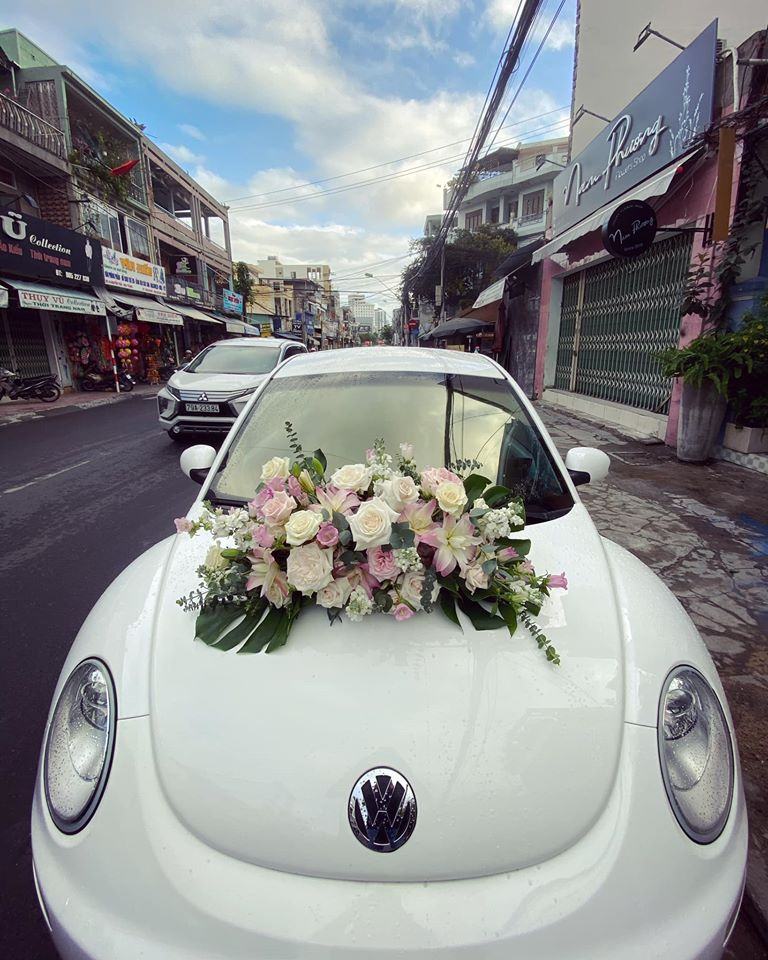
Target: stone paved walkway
704,530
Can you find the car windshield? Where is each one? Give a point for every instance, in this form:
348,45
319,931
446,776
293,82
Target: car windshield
227,358
448,419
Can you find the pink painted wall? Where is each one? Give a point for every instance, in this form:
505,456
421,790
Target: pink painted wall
686,204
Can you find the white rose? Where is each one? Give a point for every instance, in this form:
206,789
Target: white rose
214,559
302,526
309,568
276,467
475,577
352,476
451,497
372,524
399,491
335,593
410,588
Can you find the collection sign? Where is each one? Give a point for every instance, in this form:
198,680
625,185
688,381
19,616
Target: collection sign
655,129
630,229
36,248
128,273
232,302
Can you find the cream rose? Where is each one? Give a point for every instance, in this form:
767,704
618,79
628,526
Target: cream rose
277,509
309,568
475,577
276,467
352,476
410,588
302,526
335,593
372,524
276,589
451,497
214,559
398,492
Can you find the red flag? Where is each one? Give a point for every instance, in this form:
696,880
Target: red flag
123,168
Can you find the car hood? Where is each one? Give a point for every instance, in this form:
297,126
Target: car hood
511,759
215,382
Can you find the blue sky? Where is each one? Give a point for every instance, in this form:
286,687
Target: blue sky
255,97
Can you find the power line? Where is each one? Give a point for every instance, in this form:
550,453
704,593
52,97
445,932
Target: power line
533,135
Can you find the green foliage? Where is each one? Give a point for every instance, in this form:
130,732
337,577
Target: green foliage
749,395
242,282
470,260
386,333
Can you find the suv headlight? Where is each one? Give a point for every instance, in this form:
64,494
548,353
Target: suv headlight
78,750
696,754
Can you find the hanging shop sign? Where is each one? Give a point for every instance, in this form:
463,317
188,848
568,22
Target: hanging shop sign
630,230
128,273
184,266
231,301
35,248
297,324
63,302
656,129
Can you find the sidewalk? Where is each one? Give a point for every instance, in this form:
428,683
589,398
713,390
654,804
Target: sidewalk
13,411
704,530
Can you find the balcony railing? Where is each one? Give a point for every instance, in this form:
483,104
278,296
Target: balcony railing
180,289
531,218
32,128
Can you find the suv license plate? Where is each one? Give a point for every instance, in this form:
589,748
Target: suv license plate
202,407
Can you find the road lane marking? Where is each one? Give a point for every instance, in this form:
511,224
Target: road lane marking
46,476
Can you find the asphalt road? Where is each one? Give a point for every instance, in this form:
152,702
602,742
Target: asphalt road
82,494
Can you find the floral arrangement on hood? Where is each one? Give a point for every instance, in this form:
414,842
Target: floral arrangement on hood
371,537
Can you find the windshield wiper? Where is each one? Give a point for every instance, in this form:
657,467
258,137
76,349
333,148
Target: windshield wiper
219,501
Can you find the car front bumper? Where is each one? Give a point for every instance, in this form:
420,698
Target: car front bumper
136,883
173,416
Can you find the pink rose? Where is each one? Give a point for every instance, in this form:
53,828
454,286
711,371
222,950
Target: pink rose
432,477
327,535
381,564
296,490
277,509
261,537
402,612
183,525
266,493
557,580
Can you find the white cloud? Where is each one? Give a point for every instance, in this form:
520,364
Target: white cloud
182,154
191,131
462,59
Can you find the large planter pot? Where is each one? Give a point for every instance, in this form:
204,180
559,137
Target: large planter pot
702,411
746,439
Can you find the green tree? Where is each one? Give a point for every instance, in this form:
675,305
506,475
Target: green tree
242,282
385,334
470,260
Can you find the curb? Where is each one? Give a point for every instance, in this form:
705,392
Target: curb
25,416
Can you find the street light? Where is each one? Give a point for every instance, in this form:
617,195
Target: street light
582,110
647,31
542,160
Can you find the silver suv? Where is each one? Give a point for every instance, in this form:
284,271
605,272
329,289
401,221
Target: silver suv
207,395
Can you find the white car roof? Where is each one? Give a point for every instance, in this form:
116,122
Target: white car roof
417,359
253,342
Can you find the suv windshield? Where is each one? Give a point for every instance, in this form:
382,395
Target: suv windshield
224,358
448,418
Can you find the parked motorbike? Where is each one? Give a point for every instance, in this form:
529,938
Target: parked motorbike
105,380
16,387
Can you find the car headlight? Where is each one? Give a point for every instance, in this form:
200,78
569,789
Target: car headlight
173,391
696,754
79,747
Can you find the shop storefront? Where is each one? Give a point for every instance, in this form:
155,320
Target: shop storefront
604,316
200,328
48,308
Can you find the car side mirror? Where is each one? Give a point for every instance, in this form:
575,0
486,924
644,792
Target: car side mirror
587,464
197,461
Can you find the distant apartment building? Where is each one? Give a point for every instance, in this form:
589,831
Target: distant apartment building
380,320
311,294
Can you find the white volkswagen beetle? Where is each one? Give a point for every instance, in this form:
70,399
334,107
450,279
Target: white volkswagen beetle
382,789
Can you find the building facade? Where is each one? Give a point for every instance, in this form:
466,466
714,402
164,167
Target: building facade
85,285
604,318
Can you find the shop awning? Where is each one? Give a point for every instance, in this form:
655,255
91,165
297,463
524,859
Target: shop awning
237,326
194,314
654,187
38,296
457,325
149,310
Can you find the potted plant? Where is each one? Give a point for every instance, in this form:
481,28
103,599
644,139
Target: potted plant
709,367
747,426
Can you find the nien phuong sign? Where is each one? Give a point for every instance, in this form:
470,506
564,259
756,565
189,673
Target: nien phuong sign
654,130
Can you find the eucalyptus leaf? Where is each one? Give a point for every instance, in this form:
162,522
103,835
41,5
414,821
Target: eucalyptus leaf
340,521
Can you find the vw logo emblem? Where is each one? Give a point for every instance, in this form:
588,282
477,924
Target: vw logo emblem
203,396
382,810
